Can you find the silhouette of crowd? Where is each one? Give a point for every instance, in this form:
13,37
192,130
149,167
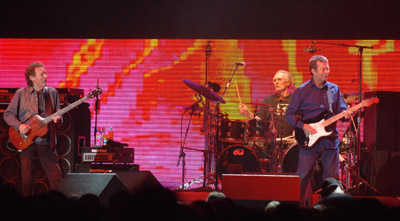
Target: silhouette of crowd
162,204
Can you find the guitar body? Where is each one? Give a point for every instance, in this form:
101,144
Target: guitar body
23,141
306,141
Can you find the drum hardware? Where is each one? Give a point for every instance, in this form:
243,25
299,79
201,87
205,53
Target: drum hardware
211,118
351,178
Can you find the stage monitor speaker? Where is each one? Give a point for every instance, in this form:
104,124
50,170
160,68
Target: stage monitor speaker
139,181
263,187
382,122
104,185
101,185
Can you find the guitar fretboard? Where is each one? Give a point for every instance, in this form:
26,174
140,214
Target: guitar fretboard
64,110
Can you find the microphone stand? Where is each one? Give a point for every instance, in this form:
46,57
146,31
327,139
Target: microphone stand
182,153
216,112
96,108
358,138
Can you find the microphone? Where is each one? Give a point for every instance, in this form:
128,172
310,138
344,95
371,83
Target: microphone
208,48
214,86
312,49
240,63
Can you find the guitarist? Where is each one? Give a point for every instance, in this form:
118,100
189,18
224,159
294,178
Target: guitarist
36,99
309,102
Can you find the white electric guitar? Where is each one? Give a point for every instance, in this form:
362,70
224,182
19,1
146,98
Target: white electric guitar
307,140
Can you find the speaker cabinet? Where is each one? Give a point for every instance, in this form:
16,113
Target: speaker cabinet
73,133
9,160
104,185
382,122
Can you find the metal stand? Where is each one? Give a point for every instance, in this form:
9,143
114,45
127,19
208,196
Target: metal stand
182,154
96,108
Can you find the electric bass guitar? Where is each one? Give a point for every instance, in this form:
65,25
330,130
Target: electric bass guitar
38,125
306,140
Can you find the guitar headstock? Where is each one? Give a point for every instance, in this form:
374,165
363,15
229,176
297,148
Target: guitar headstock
370,101
95,93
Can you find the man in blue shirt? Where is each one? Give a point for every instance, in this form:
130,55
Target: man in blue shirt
310,102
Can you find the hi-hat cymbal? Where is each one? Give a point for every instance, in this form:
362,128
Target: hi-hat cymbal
259,104
203,91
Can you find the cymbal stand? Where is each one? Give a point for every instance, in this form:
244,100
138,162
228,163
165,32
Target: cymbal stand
350,165
182,154
274,153
207,125
280,137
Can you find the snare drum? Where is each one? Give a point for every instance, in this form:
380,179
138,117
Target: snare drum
257,130
232,131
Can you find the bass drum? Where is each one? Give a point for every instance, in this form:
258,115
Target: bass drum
289,165
290,159
236,159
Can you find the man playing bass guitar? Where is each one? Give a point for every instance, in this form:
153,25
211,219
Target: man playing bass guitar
311,102
36,99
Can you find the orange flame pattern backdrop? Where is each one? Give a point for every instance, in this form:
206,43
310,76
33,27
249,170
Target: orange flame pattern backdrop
142,83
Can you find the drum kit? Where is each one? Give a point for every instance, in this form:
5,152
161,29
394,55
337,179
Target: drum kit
237,146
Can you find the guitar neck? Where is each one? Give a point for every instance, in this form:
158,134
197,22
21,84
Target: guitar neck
340,115
65,110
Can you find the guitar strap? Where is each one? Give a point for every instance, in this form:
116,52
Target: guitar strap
330,99
49,110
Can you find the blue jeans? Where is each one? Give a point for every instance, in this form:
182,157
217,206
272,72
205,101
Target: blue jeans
48,159
307,160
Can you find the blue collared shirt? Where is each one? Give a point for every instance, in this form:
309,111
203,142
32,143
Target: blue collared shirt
311,101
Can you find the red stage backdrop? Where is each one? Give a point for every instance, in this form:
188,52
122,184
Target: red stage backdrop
142,83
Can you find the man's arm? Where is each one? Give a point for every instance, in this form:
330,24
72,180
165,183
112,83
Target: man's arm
293,108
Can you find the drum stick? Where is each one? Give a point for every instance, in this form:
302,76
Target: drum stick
237,90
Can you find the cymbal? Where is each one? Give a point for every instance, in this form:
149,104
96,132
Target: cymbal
259,104
203,91
185,107
350,97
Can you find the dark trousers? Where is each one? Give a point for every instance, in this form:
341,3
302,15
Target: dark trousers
48,159
307,160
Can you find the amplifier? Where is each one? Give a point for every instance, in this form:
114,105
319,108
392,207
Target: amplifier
6,94
108,154
105,167
67,95
70,95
